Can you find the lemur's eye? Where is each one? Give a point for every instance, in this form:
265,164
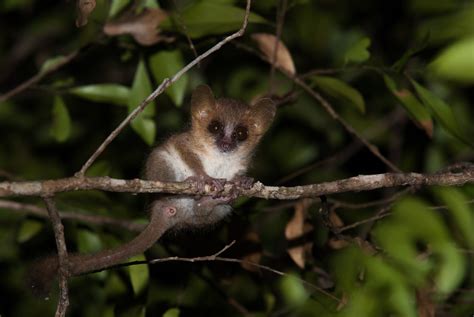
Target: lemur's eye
215,127
240,133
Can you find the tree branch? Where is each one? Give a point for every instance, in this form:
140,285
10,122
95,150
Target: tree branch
58,229
352,184
70,215
36,78
161,88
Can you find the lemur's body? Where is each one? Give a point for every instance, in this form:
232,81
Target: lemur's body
217,149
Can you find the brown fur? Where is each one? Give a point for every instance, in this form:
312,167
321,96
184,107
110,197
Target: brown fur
191,153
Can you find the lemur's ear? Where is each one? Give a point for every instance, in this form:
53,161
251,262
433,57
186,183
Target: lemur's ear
202,102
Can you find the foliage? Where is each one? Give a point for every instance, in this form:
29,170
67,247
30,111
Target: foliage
399,72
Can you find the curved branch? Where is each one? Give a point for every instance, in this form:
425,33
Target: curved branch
88,218
58,229
352,184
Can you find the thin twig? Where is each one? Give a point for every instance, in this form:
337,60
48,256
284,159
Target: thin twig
184,28
443,207
69,215
279,28
58,228
216,257
378,216
158,91
352,184
329,109
39,76
347,205
340,157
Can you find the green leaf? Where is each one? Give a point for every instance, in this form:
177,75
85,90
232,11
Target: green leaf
293,291
401,235
166,64
61,126
441,111
141,89
116,6
52,62
399,65
209,18
172,312
146,129
28,229
151,4
88,241
99,168
339,89
418,113
462,212
139,274
107,93
358,52
456,62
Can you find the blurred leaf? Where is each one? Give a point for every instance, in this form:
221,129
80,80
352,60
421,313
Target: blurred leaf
283,59
172,312
116,6
29,228
292,151
88,241
293,291
107,93
151,4
136,311
99,168
399,65
339,89
141,89
429,6
445,27
84,9
10,5
358,52
270,302
51,63
462,213
401,237
441,111
166,64
61,125
139,274
8,249
143,27
114,285
456,62
146,129
418,113
208,18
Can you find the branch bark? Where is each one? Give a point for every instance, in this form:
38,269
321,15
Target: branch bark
58,229
352,184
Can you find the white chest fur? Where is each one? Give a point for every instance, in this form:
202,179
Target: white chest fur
180,168
222,165
215,163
